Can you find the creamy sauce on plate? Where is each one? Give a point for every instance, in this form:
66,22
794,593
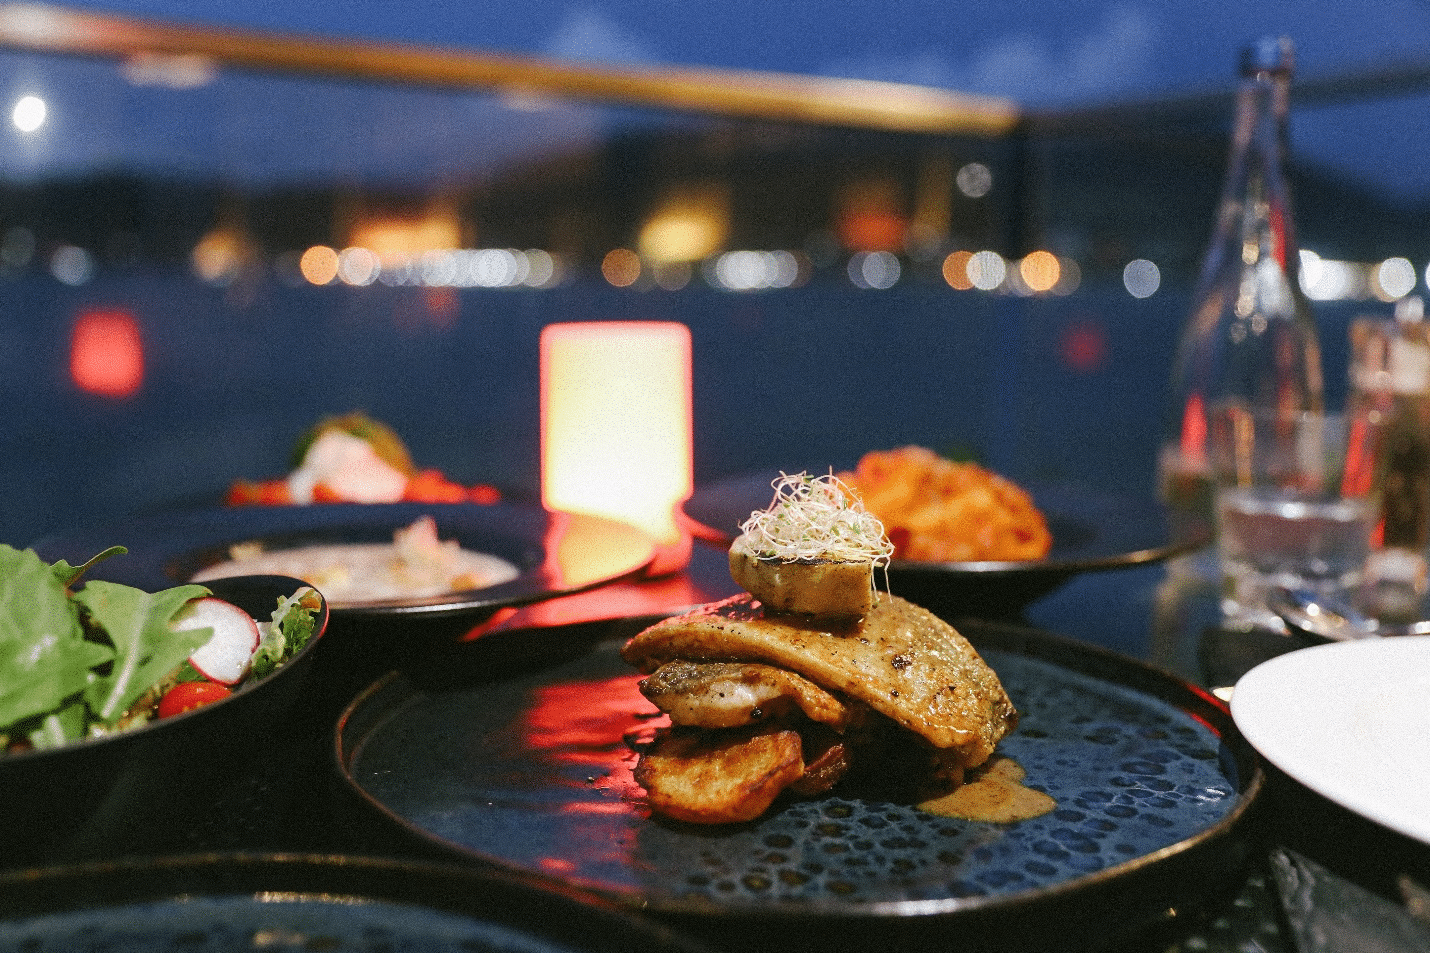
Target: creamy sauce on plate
994,793
415,565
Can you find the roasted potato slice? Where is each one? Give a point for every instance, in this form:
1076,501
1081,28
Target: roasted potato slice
720,777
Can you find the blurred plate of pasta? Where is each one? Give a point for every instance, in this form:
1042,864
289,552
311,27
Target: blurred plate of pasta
968,540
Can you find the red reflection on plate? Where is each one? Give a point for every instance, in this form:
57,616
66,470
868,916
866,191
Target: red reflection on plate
593,727
578,715
587,722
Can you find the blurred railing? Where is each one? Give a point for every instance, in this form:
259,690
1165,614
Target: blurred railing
781,97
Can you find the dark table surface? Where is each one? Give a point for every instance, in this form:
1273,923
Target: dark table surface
1163,613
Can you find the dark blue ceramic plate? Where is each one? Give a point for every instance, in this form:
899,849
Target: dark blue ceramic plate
247,902
531,770
555,553
1092,532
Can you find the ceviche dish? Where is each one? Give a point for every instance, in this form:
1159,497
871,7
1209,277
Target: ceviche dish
86,659
352,458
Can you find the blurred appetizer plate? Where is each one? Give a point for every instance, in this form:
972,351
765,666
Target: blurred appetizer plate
517,751
554,553
74,799
1091,531
299,902
1350,721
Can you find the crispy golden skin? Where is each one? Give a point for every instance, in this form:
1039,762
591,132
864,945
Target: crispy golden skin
719,777
730,694
901,660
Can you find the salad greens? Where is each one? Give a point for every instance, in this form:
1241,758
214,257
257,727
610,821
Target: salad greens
285,634
75,663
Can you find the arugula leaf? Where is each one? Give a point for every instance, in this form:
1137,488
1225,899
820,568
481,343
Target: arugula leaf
137,623
44,657
69,575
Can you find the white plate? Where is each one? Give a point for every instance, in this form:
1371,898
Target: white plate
1350,721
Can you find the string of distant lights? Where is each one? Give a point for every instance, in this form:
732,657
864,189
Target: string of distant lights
1038,273
745,270
742,271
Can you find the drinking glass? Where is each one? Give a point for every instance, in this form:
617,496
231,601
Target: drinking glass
1295,506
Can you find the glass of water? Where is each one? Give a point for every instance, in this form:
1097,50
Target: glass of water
1295,505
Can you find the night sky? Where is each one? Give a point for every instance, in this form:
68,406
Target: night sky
1049,53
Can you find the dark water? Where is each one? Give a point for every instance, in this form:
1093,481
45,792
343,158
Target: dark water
1065,388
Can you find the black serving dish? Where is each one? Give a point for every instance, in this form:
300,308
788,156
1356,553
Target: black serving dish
136,788
308,902
555,553
516,752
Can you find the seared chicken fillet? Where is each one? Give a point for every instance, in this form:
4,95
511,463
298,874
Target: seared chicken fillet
901,660
730,694
810,676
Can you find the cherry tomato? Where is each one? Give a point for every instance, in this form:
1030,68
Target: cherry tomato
430,486
324,493
189,695
484,493
258,493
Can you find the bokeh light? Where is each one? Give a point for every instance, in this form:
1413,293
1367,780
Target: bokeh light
955,270
1083,346
72,265
1141,278
874,270
29,113
754,270
975,180
621,267
1040,271
1325,279
987,270
107,353
1394,279
319,265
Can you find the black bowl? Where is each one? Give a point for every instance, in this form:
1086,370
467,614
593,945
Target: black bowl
117,793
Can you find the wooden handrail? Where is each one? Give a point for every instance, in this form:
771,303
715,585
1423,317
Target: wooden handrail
776,96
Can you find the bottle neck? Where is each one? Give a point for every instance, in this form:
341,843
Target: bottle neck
1255,207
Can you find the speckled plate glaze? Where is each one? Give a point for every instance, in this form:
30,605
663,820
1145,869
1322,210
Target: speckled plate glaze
296,902
527,764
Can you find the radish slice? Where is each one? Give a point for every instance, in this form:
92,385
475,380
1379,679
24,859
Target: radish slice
224,658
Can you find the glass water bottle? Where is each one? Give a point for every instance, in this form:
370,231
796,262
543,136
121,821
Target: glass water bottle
1251,336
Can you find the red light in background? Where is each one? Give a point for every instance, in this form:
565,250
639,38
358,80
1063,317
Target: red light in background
106,353
1084,347
873,230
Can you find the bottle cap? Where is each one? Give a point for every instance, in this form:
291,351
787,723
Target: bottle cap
1272,54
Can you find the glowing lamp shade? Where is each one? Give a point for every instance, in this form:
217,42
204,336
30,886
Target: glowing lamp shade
616,426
